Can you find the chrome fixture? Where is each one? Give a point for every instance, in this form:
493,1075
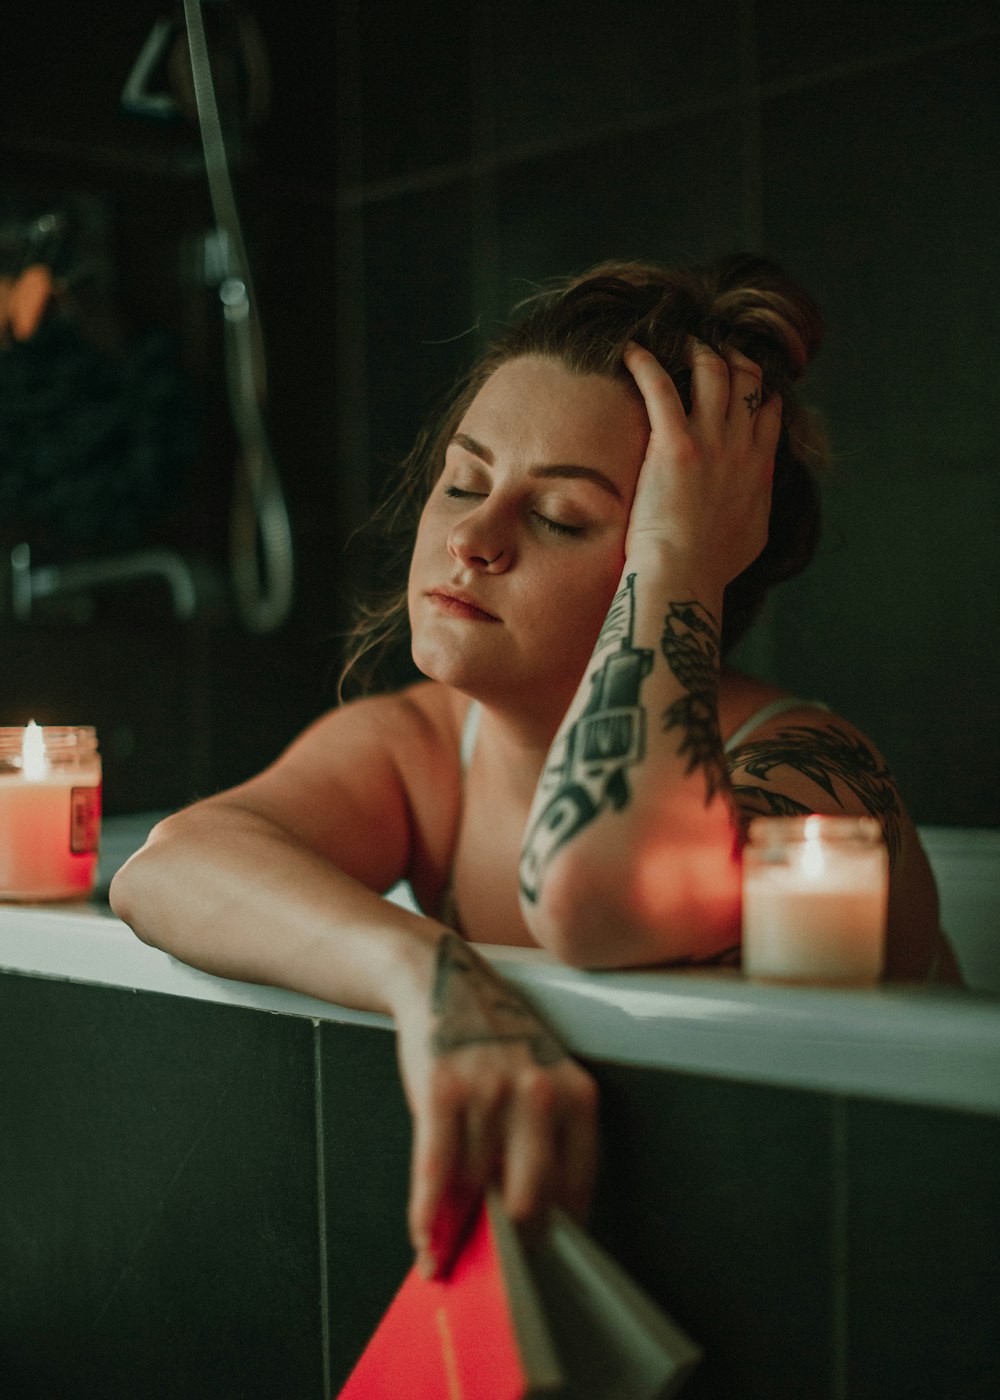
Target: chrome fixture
28,585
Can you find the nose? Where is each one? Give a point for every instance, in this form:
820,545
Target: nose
478,541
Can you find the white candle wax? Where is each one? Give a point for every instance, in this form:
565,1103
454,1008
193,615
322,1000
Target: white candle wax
49,826
815,910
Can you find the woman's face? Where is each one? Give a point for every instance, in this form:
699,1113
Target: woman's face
521,544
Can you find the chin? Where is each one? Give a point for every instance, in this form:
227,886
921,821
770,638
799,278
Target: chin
443,663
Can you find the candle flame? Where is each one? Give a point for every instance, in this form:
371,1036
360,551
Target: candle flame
813,859
34,766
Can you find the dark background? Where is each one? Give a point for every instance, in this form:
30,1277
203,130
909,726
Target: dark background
419,168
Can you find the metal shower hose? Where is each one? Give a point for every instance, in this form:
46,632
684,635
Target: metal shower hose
262,583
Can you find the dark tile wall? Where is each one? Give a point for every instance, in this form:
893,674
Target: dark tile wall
210,1201
421,169
160,1229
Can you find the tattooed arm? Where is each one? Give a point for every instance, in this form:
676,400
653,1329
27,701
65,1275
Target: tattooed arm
631,850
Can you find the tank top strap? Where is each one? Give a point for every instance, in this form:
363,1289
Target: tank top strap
470,733
466,748
770,711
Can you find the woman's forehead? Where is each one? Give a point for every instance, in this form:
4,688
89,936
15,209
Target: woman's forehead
535,406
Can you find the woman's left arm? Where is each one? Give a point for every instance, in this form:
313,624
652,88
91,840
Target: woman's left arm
631,849
631,853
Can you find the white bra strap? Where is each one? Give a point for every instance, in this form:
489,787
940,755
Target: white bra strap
470,732
766,712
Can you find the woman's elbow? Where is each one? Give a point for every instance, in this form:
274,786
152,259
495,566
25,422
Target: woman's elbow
125,893
133,890
648,908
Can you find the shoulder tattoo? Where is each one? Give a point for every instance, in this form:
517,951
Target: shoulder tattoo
828,756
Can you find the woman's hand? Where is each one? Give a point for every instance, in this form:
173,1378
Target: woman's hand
494,1097
704,489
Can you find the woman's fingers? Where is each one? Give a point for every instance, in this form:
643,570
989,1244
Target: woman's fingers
529,1159
747,381
577,1153
435,1183
534,1132
710,382
767,427
663,403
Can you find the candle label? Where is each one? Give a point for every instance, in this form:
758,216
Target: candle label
84,819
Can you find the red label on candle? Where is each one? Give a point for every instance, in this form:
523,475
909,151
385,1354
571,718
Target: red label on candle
84,820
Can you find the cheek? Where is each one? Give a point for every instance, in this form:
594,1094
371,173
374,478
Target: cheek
587,597
421,542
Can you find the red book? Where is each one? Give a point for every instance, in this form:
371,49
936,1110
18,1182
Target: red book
479,1334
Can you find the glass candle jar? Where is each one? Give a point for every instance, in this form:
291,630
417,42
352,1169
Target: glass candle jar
50,812
815,895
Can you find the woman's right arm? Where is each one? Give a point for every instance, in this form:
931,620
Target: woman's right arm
278,882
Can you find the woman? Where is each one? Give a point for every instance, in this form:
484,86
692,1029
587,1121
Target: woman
604,503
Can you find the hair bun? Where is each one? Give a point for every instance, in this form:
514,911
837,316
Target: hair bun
756,301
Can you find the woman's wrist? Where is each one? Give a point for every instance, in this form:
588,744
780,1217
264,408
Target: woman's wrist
676,576
408,973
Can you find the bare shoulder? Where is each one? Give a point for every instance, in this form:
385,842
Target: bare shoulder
400,726
371,784
804,758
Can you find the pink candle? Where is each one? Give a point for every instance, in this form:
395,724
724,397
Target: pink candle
50,812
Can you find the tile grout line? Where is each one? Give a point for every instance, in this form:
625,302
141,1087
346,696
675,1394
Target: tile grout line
840,1319
365,193
324,1265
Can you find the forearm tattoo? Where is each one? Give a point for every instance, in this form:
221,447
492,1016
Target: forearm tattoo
690,644
826,756
476,1007
588,772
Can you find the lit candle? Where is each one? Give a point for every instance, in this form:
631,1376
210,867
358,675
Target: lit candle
50,812
815,892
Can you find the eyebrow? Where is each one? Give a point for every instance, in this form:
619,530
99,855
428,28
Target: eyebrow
554,469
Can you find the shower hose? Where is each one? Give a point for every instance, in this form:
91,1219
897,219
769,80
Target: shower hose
261,554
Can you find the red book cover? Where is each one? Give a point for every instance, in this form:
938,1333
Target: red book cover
464,1337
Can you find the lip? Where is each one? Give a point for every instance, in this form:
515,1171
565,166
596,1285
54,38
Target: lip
458,604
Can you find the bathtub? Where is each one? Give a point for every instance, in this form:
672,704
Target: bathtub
205,1181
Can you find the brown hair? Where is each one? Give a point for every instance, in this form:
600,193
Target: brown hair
742,302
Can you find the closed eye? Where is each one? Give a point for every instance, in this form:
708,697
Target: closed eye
555,527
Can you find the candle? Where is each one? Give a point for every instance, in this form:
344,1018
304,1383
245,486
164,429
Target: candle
815,891
50,812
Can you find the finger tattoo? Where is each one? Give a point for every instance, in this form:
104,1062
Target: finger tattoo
752,401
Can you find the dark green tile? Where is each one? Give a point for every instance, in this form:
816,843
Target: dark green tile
670,195
799,37
415,72
366,1151
717,1197
923,1253
159,1220
876,194
562,69
924,550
